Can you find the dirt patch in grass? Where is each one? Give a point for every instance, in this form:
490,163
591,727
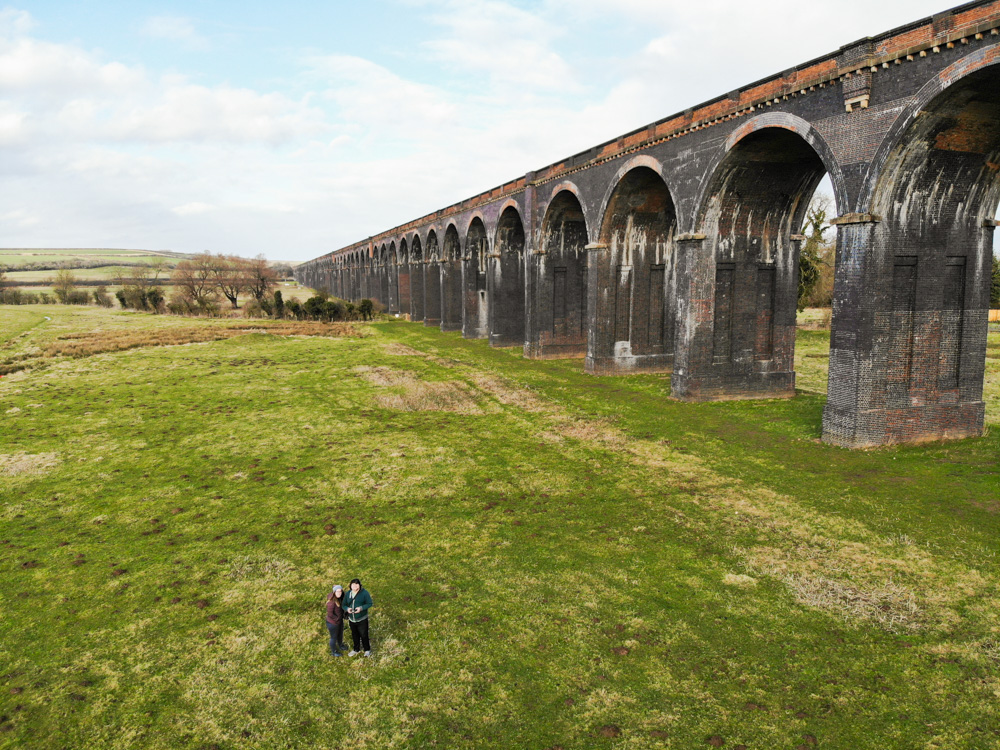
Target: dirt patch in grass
16,464
258,567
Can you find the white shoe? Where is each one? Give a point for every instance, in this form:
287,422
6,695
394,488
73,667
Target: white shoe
368,653
353,653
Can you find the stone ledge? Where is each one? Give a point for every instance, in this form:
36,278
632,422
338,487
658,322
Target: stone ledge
855,219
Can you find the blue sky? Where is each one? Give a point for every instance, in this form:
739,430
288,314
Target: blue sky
294,129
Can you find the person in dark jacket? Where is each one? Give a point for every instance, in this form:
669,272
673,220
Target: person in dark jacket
335,620
357,602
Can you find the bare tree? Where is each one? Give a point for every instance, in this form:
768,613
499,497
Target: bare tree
230,277
196,280
260,277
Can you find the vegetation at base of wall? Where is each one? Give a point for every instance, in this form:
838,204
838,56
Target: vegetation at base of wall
995,284
556,559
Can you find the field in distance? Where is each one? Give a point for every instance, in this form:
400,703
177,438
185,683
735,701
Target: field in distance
556,559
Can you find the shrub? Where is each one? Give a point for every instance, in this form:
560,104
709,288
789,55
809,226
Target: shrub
154,299
366,308
335,309
279,305
120,295
101,296
295,309
76,297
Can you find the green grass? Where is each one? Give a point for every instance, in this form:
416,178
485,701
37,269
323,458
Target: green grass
24,256
556,559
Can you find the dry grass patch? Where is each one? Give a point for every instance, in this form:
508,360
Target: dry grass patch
412,394
510,395
448,395
891,606
87,344
15,464
402,350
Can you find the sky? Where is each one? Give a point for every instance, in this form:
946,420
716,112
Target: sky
294,129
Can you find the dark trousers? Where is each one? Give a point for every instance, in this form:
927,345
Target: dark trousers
336,636
359,635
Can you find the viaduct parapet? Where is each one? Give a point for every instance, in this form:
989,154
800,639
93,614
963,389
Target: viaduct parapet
675,247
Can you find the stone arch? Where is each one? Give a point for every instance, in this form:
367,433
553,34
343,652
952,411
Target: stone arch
416,278
505,280
559,302
475,323
451,280
921,257
972,64
795,124
632,274
641,160
432,280
742,281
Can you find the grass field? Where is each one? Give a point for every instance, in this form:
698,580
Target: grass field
24,256
557,560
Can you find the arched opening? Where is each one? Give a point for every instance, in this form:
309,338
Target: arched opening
432,281
403,278
910,319
451,281
632,277
392,279
382,275
748,270
505,281
416,279
560,290
475,323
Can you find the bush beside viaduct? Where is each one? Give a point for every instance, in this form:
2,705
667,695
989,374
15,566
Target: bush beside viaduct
674,248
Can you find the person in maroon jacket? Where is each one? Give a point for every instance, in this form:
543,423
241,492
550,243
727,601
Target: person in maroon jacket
335,620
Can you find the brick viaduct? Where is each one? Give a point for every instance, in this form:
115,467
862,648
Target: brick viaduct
675,249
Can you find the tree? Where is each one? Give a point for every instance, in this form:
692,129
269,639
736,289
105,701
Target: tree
229,274
279,305
101,296
366,308
194,279
135,289
64,285
810,256
259,277
995,284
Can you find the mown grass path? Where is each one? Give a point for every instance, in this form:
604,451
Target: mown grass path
557,560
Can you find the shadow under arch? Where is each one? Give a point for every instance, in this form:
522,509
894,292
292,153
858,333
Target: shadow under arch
475,299
416,278
432,281
559,290
631,310
451,280
505,280
736,319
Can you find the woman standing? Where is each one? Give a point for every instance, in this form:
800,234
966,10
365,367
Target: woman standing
335,619
356,604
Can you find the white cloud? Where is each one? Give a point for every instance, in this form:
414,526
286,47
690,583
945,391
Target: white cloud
511,46
14,22
174,29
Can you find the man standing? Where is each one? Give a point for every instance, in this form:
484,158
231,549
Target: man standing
357,603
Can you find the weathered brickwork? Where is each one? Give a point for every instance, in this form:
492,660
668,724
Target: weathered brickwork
674,248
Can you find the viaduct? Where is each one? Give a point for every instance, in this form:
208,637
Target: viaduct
675,247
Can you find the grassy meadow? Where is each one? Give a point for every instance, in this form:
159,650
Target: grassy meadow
557,560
